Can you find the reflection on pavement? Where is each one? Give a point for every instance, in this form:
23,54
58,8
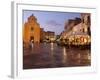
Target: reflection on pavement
52,56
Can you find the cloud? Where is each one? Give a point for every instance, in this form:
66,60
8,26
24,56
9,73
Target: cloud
54,26
53,23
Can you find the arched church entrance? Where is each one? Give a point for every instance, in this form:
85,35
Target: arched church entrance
32,39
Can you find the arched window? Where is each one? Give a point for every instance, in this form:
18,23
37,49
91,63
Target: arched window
32,29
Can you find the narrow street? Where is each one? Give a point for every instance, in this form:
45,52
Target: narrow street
50,55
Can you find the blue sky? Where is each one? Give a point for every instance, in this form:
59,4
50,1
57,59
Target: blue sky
50,21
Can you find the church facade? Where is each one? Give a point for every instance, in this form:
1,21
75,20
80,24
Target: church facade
31,30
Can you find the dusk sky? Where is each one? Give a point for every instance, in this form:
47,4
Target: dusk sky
50,21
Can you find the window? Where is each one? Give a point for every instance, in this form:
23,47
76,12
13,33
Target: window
83,30
32,28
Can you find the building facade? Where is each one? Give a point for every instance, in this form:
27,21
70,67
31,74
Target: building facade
31,30
86,20
78,31
42,34
78,25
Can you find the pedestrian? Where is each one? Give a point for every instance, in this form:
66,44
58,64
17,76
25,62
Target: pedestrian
31,44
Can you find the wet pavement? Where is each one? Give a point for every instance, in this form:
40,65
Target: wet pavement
50,55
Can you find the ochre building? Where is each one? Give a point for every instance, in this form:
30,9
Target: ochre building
31,30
